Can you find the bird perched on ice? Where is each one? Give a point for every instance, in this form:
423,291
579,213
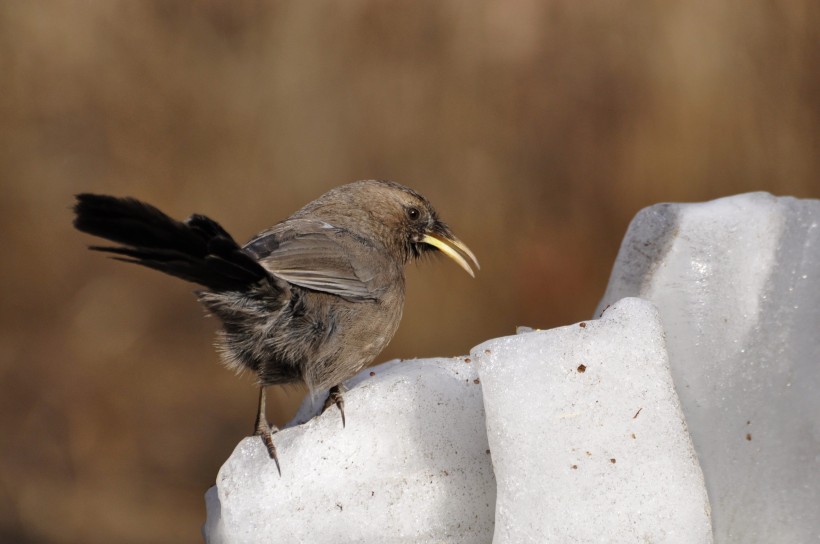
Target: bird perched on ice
313,299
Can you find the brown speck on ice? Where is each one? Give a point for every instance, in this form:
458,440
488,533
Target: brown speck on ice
749,436
573,467
476,381
488,452
612,460
487,351
467,360
582,368
582,325
638,412
372,373
633,436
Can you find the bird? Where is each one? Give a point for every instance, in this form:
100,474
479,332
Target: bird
313,299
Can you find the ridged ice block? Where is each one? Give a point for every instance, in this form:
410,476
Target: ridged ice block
412,465
587,436
737,284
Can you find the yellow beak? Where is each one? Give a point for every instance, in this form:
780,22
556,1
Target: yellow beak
455,249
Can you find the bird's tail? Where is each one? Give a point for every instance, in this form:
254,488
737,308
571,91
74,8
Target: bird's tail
198,249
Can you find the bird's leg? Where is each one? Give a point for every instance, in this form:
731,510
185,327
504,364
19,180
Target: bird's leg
265,429
334,396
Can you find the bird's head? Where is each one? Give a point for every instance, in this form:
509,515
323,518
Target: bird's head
399,217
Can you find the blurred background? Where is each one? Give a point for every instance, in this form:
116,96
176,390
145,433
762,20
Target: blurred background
537,128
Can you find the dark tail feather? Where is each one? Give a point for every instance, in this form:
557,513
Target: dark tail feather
198,250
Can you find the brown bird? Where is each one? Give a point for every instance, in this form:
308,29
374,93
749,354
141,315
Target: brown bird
313,299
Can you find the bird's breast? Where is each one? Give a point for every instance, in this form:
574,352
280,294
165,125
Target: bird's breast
323,339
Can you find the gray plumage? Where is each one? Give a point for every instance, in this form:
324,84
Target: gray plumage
313,299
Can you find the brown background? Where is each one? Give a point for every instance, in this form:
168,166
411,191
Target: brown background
538,128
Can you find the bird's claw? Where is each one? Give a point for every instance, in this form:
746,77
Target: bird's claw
263,428
335,396
266,431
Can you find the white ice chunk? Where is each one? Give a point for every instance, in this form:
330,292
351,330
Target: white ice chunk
587,437
737,284
411,466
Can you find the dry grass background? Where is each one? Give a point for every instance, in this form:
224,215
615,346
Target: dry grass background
538,128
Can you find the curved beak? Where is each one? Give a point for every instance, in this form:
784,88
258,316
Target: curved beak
453,248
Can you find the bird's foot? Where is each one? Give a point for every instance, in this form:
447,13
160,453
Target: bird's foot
266,431
335,397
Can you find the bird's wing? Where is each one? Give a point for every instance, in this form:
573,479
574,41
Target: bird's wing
319,256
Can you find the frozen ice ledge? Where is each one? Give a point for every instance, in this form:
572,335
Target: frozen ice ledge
700,377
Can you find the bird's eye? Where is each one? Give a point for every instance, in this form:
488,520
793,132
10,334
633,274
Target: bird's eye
413,213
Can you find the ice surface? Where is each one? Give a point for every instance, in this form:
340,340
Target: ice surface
411,466
737,284
587,437
597,452
585,427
